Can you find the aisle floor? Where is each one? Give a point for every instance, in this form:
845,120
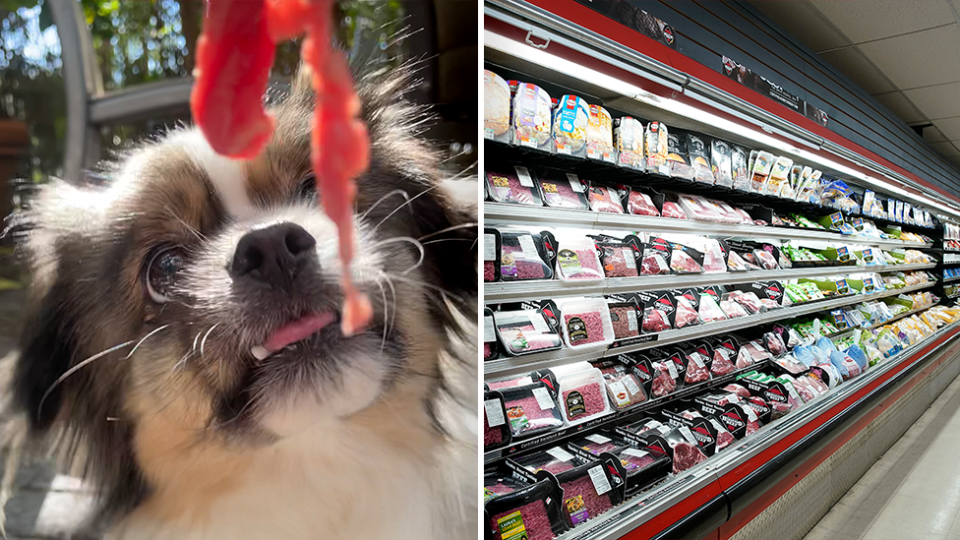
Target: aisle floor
913,491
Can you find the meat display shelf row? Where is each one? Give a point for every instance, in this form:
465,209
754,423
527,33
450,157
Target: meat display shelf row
527,363
518,214
519,291
629,414
641,509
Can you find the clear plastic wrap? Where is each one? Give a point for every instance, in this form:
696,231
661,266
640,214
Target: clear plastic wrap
697,208
665,380
524,332
624,389
531,116
655,320
654,261
577,260
732,309
640,204
685,314
722,362
523,257
774,343
583,395
709,310
516,187
766,259
604,199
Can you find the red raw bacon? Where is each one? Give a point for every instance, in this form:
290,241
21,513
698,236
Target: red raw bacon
234,56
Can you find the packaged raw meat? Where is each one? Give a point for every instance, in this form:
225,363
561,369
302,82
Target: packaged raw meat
509,383
626,318
727,213
586,323
697,368
672,210
744,216
624,389
531,409
577,260
655,260
697,208
655,321
496,107
581,501
736,263
640,204
655,148
563,190
583,395
553,460
600,134
713,257
686,452
490,344
525,331
732,309
665,379
774,344
531,117
496,431
750,302
744,358
709,310
686,313
570,126
491,260
769,303
738,390
619,259
722,362
721,162
628,134
529,507
681,262
523,256
604,199
516,186
766,259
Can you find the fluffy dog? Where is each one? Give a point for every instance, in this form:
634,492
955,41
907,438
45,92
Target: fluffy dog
182,339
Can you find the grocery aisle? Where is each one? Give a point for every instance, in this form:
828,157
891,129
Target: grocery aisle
913,491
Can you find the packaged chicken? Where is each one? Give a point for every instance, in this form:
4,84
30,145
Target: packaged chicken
531,117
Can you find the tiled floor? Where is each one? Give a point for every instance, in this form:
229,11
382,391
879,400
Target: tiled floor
913,491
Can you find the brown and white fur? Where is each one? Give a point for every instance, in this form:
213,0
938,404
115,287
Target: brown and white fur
182,430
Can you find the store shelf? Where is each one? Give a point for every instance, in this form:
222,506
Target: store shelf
618,417
518,291
644,507
951,280
526,364
539,216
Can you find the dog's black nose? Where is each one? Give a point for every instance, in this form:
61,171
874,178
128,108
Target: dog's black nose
273,254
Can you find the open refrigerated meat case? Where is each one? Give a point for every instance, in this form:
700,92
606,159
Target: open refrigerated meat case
852,268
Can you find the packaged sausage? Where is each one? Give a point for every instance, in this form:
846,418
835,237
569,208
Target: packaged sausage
496,107
600,135
570,126
513,186
563,190
721,157
531,117
628,133
655,147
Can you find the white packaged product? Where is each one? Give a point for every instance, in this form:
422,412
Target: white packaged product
496,107
629,137
583,396
570,126
761,171
655,147
531,116
586,323
577,260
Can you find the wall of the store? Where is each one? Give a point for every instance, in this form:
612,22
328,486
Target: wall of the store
706,30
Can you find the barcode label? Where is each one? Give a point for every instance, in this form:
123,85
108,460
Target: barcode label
697,359
543,398
672,369
527,246
489,334
575,184
600,482
539,323
599,439
792,391
631,385
524,176
628,259
685,431
635,452
494,412
632,320
489,247
560,453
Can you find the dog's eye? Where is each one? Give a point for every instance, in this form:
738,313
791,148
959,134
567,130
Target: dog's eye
162,274
307,188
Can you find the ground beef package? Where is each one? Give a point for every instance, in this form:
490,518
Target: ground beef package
624,387
583,395
604,199
496,428
626,318
525,331
531,409
641,467
620,259
523,256
491,346
563,190
554,460
532,512
577,260
586,323
513,185
586,495
491,255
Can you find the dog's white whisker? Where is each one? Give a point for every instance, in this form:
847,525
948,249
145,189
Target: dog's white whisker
408,240
146,337
205,336
402,193
448,229
410,200
77,368
430,286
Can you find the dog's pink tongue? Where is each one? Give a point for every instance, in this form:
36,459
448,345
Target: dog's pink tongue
299,329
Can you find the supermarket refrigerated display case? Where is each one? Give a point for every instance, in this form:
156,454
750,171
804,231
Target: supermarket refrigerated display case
719,497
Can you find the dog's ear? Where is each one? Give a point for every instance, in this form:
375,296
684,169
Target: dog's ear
46,349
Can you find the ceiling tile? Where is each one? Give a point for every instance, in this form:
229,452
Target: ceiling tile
852,63
950,127
900,106
921,59
867,20
936,101
804,22
948,149
933,135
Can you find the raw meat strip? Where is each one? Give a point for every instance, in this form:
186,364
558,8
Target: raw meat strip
234,55
593,323
535,521
579,490
593,400
640,204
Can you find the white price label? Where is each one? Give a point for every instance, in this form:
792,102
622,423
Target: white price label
653,424
688,435
628,259
599,439
632,320
528,248
792,391
543,398
697,359
489,247
600,482
717,425
733,398
524,175
494,412
575,184
635,452
619,393
631,385
751,414
489,334
539,323
560,453
672,368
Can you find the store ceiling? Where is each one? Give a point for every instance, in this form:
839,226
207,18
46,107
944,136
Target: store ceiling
905,53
